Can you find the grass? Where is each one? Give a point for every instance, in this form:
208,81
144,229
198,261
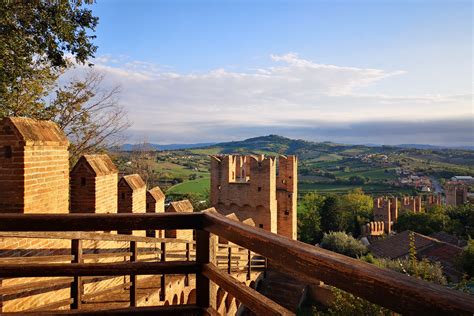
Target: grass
343,188
198,186
374,174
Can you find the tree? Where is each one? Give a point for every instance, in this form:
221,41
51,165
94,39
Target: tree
89,114
359,207
333,215
35,38
467,258
426,223
309,219
343,243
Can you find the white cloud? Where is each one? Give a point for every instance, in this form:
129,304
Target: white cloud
173,105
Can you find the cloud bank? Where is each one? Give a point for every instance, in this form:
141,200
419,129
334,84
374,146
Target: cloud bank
293,97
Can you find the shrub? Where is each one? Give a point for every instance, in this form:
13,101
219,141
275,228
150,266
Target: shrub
344,244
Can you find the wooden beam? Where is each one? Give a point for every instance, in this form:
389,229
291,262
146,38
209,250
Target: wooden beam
89,236
133,276
76,285
202,257
396,291
97,269
258,303
185,310
99,222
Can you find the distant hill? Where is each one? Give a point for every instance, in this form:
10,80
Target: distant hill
434,147
132,147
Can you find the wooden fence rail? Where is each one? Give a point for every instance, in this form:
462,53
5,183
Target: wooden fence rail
390,289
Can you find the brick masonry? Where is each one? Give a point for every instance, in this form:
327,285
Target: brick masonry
249,187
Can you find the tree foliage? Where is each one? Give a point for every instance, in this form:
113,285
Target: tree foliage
457,220
309,218
36,40
467,258
343,243
89,114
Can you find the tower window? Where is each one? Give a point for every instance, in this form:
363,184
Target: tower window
123,196
287,212
289,195
259,189
219,187
289,177
7,152
83,181
260,225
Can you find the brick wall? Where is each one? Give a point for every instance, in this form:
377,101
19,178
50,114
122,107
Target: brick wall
34,167
245,186
287,195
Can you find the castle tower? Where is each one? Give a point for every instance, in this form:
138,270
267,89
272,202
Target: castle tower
287,195
245,186
382,213
94,185
456,193
34,167
393,209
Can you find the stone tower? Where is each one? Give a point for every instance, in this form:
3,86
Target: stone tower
287,196
249,187
456,193
411,204
94,185
382,213
34,167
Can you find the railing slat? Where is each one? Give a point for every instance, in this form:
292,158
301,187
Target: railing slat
400,293
255,301
98,222
97,269
76,285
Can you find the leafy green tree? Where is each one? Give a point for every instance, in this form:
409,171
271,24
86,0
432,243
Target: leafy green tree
423,223
333,216
359,207
35,38
461,220
467,258
309,218
343,243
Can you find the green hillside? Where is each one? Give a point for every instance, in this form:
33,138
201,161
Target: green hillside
324,167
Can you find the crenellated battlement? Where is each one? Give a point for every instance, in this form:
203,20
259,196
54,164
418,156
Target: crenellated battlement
250,187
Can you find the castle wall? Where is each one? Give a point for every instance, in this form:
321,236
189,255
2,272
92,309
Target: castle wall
251,197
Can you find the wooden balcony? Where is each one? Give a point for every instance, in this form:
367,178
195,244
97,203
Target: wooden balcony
398,292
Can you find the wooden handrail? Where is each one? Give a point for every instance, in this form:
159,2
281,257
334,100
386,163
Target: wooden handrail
396,291
97,269
98,222
91,236
255,301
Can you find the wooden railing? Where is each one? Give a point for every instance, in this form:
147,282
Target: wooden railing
398,292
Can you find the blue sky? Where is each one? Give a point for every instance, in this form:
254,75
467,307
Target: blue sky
196,71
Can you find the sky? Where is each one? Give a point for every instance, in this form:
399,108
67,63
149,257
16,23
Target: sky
359,72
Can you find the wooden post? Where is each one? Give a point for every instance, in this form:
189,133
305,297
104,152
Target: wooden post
163,277
249,264
229,260
202,257
133,277
188,258
76,285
